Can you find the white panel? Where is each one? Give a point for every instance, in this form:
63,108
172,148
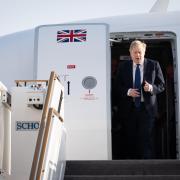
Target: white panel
1,134
5,133
87,111
24,131
57,92
54,162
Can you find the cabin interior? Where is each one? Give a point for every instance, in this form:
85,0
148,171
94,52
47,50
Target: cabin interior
164,51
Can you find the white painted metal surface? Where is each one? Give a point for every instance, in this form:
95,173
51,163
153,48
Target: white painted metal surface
85,73
24,130
5,133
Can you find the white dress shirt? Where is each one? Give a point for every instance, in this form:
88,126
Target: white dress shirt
141,67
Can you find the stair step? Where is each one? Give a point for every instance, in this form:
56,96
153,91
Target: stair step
123,167
125,177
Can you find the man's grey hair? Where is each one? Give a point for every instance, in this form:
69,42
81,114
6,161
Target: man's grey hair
137,43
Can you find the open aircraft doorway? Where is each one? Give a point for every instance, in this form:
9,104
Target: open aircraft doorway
161,46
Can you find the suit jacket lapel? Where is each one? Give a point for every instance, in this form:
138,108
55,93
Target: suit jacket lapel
145,70
131,73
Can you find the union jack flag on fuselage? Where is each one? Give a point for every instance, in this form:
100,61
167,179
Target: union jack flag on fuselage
77,35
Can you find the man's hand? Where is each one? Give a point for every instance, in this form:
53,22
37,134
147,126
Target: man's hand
147,87
134,93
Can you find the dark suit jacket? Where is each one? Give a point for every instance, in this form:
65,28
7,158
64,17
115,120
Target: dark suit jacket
152,74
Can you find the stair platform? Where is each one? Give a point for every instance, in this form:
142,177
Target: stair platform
123,170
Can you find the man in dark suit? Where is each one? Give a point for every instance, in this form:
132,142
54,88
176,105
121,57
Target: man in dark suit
138,82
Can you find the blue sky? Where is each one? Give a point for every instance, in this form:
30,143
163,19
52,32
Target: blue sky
18,15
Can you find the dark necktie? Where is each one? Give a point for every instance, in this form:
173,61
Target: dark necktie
137,85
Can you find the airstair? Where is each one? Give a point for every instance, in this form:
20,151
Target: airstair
123,170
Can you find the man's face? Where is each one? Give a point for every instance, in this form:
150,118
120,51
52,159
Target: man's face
137,54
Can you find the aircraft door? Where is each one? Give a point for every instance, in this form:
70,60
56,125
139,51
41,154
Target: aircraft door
80,54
